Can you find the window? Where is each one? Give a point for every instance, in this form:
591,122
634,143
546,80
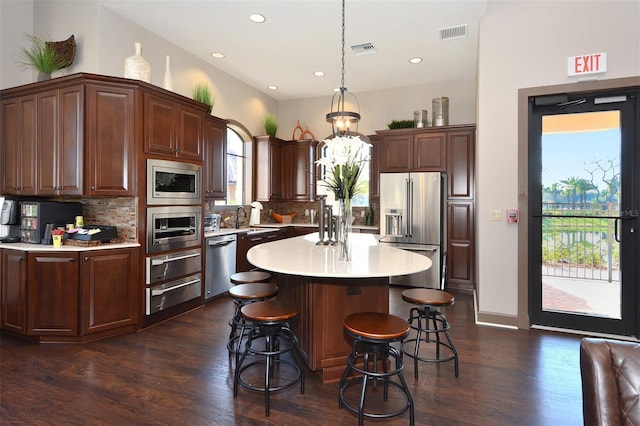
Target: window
236,160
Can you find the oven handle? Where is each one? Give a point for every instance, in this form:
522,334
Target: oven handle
166,290
158,262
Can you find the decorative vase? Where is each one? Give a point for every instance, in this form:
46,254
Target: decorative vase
136,67
343,230
168,82
43,76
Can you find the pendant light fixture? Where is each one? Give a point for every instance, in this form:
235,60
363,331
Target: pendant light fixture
341,119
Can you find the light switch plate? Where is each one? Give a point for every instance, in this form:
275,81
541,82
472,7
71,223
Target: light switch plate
496,215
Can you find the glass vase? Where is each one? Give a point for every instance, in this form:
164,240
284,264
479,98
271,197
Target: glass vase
343,229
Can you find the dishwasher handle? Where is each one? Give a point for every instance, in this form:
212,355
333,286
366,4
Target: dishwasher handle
219,242
158,262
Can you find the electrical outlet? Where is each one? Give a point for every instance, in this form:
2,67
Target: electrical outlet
496,215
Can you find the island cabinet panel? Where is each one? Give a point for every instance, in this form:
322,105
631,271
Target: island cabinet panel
60,121
322,305
18,145
215,158
109,290
110,140
172,129
247,240
13,282
52,294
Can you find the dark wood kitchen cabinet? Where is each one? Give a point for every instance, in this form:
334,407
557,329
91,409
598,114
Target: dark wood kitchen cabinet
60,125
246,240
171,128
284,170
18,121
69,296
374,169
13,285
215,158
413,151
449,149
110,140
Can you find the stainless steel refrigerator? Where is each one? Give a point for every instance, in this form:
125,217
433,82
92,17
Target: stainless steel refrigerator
413,217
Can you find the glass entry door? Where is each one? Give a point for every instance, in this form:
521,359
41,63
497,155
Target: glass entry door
584,187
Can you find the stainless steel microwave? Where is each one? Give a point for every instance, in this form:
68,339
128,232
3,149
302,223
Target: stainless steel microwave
173,227
173,182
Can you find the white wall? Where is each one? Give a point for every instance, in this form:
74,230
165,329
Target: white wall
526,44
104,40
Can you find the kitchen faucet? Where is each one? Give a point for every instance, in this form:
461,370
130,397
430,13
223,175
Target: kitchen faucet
244,216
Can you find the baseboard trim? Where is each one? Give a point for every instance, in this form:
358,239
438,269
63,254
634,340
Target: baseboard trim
493,320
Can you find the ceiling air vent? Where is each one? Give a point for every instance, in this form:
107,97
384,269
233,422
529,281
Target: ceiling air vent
452,33
363,49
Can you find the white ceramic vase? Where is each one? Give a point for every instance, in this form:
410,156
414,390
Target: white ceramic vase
167,82
135,67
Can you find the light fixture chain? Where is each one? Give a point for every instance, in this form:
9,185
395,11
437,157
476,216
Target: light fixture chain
342,81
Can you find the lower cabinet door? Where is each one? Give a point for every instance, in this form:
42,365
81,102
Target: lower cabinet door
109,294
52,296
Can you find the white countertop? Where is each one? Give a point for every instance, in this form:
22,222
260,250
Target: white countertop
228,231
64,248
301,256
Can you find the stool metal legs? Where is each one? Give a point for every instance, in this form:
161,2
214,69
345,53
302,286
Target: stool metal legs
279,339
423,334
381,351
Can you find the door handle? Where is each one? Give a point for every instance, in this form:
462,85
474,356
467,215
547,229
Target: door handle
158,262
615,226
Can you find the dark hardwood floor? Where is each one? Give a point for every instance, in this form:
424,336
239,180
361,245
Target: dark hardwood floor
178,373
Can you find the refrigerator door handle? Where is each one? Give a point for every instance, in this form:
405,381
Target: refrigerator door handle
409,208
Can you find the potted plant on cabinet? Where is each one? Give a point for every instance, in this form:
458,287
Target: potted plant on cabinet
202,93
45,57
271,125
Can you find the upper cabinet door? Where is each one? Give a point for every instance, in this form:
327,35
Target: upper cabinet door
429,152
172,129
460,167
215,159
111,125
159,126
60,124
18,145
396,153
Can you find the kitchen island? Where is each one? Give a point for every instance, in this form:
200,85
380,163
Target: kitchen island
326,290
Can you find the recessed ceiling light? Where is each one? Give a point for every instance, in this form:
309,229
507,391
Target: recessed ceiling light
217,55
319,74
415,60
272,87
257,18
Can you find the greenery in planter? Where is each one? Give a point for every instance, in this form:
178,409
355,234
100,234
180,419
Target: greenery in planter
271,125
202,93
41,56
400,124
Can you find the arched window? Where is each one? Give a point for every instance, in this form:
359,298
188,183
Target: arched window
238,141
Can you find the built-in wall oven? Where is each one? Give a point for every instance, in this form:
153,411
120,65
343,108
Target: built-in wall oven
173,227
173,182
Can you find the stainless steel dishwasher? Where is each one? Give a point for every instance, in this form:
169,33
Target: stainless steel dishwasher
220,263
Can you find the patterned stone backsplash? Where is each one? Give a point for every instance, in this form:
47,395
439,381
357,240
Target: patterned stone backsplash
120,212
229,213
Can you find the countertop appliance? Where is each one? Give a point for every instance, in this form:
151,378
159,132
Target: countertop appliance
36,215
220,264
9,221
413,217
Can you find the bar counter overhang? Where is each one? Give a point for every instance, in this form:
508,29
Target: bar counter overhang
325,290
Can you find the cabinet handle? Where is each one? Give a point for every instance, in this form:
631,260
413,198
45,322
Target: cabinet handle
86,258
93,188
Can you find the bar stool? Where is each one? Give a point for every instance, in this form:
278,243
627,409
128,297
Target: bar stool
252,286
373,333
269,323
428,301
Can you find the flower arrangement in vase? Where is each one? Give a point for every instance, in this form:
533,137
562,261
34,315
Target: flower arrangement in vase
343,161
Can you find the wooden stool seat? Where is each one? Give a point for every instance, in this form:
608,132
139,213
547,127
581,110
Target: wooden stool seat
427,296
253,291
250,277
376,326
373,333
269,311
427,302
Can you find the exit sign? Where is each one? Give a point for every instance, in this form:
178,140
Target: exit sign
593,63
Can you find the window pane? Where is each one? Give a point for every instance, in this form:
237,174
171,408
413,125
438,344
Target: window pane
235,168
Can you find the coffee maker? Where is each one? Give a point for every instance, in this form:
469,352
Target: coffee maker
10,221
